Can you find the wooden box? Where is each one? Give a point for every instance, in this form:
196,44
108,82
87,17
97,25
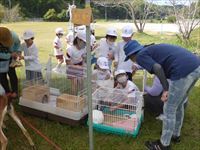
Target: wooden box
71,102
37,93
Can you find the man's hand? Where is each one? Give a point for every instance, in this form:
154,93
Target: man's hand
164,96
14,55
115,64
134,68
110,56
21,57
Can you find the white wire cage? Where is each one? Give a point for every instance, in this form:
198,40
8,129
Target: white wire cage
62,94
121,114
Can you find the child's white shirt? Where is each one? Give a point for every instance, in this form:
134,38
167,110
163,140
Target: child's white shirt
69,39
130,88
101,75
57,42
76,56
104,48
31,57
120,57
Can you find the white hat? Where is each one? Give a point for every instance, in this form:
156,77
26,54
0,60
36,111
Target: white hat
120,72
59,30
102,62
111,31
28,34
127,31
81,35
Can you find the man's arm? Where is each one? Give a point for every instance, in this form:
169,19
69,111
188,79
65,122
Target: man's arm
159,72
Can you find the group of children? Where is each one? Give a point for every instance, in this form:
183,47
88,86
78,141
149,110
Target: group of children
108,54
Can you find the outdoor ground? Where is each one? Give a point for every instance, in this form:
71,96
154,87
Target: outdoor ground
76,138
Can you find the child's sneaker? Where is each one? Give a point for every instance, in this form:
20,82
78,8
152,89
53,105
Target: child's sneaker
156,145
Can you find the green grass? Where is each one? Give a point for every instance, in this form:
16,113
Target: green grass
76,138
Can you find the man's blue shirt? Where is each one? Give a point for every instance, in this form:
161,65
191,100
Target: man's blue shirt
176,61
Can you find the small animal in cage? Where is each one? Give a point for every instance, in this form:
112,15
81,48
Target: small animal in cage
39,93
116,111
97,116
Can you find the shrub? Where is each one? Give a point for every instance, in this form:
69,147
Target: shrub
171,19
12,15
62,15
50,15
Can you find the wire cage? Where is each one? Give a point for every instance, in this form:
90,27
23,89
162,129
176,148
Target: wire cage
69,86
121,114
59,93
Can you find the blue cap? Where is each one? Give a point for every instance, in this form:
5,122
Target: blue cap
132,47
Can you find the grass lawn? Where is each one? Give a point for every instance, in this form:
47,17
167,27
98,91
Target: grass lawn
76,138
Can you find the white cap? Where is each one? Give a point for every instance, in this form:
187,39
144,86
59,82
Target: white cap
120,72
102,62
111,31
28,34
127,31
59,30
81,35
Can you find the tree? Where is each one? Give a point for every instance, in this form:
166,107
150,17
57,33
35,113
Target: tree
1,12
105,4
12,14
137,9
185,12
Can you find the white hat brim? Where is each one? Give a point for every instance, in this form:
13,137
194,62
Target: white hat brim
104,67
126,35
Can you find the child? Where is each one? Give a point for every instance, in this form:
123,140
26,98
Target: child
102,72
128,66
75,62
75,53
33,67
58,48
107,46
124,84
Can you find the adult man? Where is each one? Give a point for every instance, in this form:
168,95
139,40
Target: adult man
5,55
182,68
15,52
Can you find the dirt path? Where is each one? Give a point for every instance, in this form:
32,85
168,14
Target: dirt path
152,27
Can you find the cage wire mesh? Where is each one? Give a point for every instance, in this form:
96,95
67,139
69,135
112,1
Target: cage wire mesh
66,90
119,110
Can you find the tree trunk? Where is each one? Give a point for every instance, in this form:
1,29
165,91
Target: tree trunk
106,17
